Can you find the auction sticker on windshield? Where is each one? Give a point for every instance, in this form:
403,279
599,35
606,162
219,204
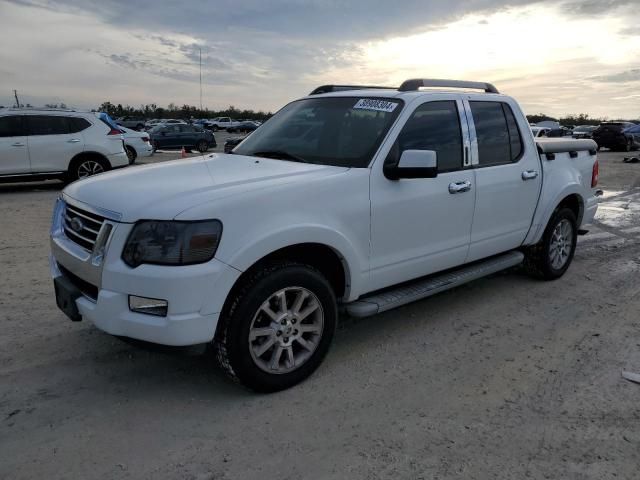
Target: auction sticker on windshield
376,105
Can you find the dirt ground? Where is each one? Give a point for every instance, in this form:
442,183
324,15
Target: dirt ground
504,378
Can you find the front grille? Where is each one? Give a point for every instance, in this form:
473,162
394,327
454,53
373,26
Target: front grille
88,289
82,227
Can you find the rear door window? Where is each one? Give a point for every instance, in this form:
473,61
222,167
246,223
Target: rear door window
499,139
47,125
11,126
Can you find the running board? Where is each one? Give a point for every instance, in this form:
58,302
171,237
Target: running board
423,288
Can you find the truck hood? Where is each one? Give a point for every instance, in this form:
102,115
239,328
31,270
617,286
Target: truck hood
161,191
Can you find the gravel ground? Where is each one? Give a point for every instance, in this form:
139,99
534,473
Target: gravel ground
504,378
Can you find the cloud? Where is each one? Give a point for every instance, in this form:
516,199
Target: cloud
262,54
621,77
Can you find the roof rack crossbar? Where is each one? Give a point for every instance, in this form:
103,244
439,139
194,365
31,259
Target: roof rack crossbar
341,88
416,83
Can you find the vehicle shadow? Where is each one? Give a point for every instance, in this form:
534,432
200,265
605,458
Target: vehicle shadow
29,187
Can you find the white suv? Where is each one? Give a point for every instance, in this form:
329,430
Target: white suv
357,198
42,144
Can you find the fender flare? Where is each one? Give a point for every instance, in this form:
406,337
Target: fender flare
537,230
248,255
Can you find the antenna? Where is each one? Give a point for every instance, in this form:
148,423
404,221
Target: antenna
15,93
200,48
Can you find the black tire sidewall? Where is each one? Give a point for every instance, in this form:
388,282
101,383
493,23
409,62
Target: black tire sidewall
556,218
247,305
202,146
131,155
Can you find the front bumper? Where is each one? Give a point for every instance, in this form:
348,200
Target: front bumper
195,293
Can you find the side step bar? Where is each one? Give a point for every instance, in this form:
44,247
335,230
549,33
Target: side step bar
423,288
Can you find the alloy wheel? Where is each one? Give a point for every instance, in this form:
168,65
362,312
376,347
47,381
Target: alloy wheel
286,330
561,244
88,168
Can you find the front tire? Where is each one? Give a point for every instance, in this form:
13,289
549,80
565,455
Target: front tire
278,327
551,257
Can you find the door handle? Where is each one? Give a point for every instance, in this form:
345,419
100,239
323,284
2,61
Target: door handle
73,140
529,175
459,187
17,144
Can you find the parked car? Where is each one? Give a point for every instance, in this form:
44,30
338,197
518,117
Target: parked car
232,143
615,136
148,125
137,144
558,132
540,131
223,123
583,131
40,144
355,199
135,123
203,122
177,136
247,126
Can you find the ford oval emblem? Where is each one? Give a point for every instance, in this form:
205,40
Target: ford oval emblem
76,224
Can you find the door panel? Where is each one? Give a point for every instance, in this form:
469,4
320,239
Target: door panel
418,226
51,147
14,149
508,179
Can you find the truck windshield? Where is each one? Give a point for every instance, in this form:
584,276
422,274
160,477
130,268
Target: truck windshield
339,131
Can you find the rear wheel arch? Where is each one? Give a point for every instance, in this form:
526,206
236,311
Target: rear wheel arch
573,202
83,156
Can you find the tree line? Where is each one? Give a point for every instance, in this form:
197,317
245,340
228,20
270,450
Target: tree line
580,119
174,111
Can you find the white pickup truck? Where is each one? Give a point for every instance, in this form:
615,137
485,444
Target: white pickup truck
353,198
222,123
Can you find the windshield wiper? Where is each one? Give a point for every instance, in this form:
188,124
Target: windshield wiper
279,154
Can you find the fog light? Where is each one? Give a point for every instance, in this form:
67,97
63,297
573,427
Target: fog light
150,306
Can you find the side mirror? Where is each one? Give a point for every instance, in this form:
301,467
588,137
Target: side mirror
414,164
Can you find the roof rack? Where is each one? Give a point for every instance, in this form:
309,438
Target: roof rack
411,85
416,83
342,88
41,109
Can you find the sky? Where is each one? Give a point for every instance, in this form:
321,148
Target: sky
554,56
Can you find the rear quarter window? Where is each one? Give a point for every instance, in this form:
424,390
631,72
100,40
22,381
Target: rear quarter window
77,124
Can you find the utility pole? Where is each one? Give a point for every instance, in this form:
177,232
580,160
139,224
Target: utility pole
200,79
15,93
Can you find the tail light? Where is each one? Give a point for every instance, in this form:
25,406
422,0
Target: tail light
145,139
594,174
114,131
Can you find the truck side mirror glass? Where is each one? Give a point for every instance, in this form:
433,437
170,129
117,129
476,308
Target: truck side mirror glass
413,164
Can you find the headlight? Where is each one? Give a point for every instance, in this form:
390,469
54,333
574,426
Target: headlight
172,242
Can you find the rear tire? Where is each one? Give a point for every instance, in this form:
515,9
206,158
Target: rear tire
277,327
131,155
86,166
551,257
